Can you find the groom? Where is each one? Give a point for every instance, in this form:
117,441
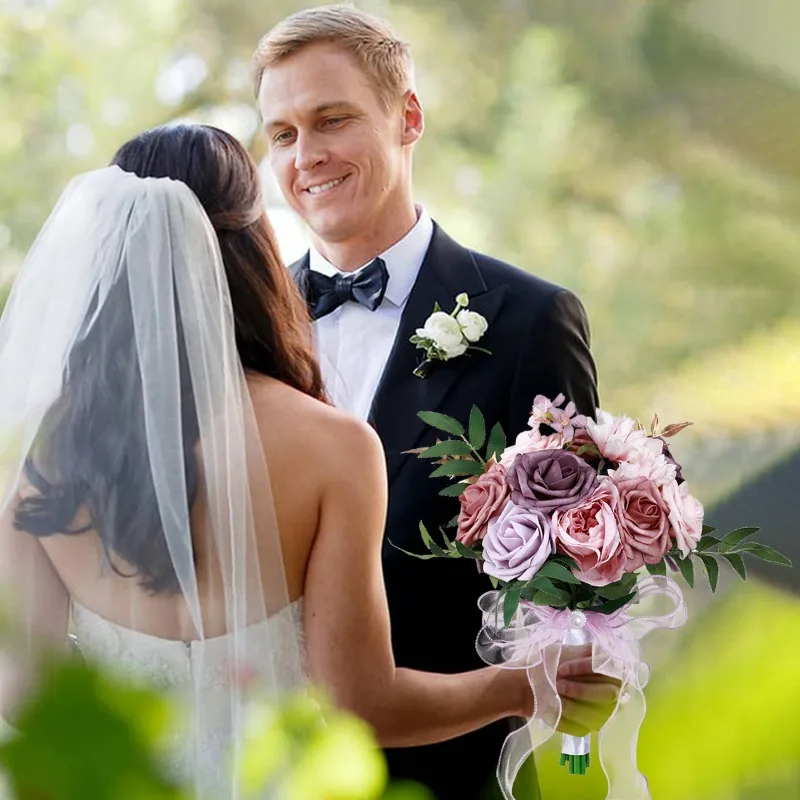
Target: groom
341,119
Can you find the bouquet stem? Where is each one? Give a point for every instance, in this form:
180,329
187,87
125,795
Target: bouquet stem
575,750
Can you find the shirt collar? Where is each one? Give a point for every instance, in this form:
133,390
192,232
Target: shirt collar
403,260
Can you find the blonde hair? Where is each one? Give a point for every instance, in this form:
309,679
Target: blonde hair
383,57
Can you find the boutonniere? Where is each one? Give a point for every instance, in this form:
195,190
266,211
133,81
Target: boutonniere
445,336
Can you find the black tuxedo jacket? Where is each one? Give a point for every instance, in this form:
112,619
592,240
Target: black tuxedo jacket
539,341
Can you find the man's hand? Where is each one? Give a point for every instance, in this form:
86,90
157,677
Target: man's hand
587,698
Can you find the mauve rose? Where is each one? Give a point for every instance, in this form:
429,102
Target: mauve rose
643,520
480,502
685,516
550,480
517,543
589,534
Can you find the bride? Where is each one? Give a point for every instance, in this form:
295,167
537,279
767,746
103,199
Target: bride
174,479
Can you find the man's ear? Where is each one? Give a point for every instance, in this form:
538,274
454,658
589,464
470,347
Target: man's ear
413,118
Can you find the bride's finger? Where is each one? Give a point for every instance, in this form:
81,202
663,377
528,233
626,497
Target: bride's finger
588,691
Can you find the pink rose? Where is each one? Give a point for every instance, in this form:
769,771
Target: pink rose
685,516
530,442
517,543
589,534
643,520
480,502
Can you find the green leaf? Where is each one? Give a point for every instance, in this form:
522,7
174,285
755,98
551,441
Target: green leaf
737,562
545,599
420,556
615,590
497,442
686,566
765,553
706,543
557,571
442,422
707,529
429,542
511,603
712,570
493,581
657,569
569,563
450,447
610,606
477,428
461,466
444,536
467,552
453,522
454,490
730,540
547,586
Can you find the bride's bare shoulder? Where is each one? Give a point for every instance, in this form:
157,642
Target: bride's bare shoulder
287,415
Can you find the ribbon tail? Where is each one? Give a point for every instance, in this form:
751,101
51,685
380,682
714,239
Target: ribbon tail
617,745
541,727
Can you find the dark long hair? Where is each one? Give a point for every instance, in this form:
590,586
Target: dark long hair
108,477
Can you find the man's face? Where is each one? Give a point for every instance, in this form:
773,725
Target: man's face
337,152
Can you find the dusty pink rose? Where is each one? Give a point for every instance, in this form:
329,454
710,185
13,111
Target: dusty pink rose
643,520
589,534
480,502
685,516
530,442
517,543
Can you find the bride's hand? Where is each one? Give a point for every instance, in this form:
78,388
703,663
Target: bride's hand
587,698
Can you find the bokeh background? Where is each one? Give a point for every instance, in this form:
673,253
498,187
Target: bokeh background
643,153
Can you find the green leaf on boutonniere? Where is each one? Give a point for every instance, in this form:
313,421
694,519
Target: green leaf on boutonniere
436,307
511,603
610,606
450,447
730,540
477,428
712,570
454,490
553,569
442,422
686,566
657,569
497,442
737,562
461,466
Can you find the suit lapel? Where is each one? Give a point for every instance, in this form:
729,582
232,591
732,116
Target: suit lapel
448,269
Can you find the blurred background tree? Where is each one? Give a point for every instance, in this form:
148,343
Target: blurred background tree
641,152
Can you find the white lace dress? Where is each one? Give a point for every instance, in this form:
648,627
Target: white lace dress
172,667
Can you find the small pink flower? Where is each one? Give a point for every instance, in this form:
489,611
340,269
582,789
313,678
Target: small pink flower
617,438
541,413
643,520
589,534
480,502
685,516
530,442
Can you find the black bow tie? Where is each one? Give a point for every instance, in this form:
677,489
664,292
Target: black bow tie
366,287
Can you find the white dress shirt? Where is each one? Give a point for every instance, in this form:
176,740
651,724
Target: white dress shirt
353,343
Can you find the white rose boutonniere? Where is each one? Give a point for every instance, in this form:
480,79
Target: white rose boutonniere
445,336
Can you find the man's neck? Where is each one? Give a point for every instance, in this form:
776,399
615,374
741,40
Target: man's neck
353,253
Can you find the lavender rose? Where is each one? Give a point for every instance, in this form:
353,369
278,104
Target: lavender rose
643,518
480,502
550,480
517,543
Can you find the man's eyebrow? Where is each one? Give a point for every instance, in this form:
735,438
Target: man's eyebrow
322,108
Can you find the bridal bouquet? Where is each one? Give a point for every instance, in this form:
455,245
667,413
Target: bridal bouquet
577,525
